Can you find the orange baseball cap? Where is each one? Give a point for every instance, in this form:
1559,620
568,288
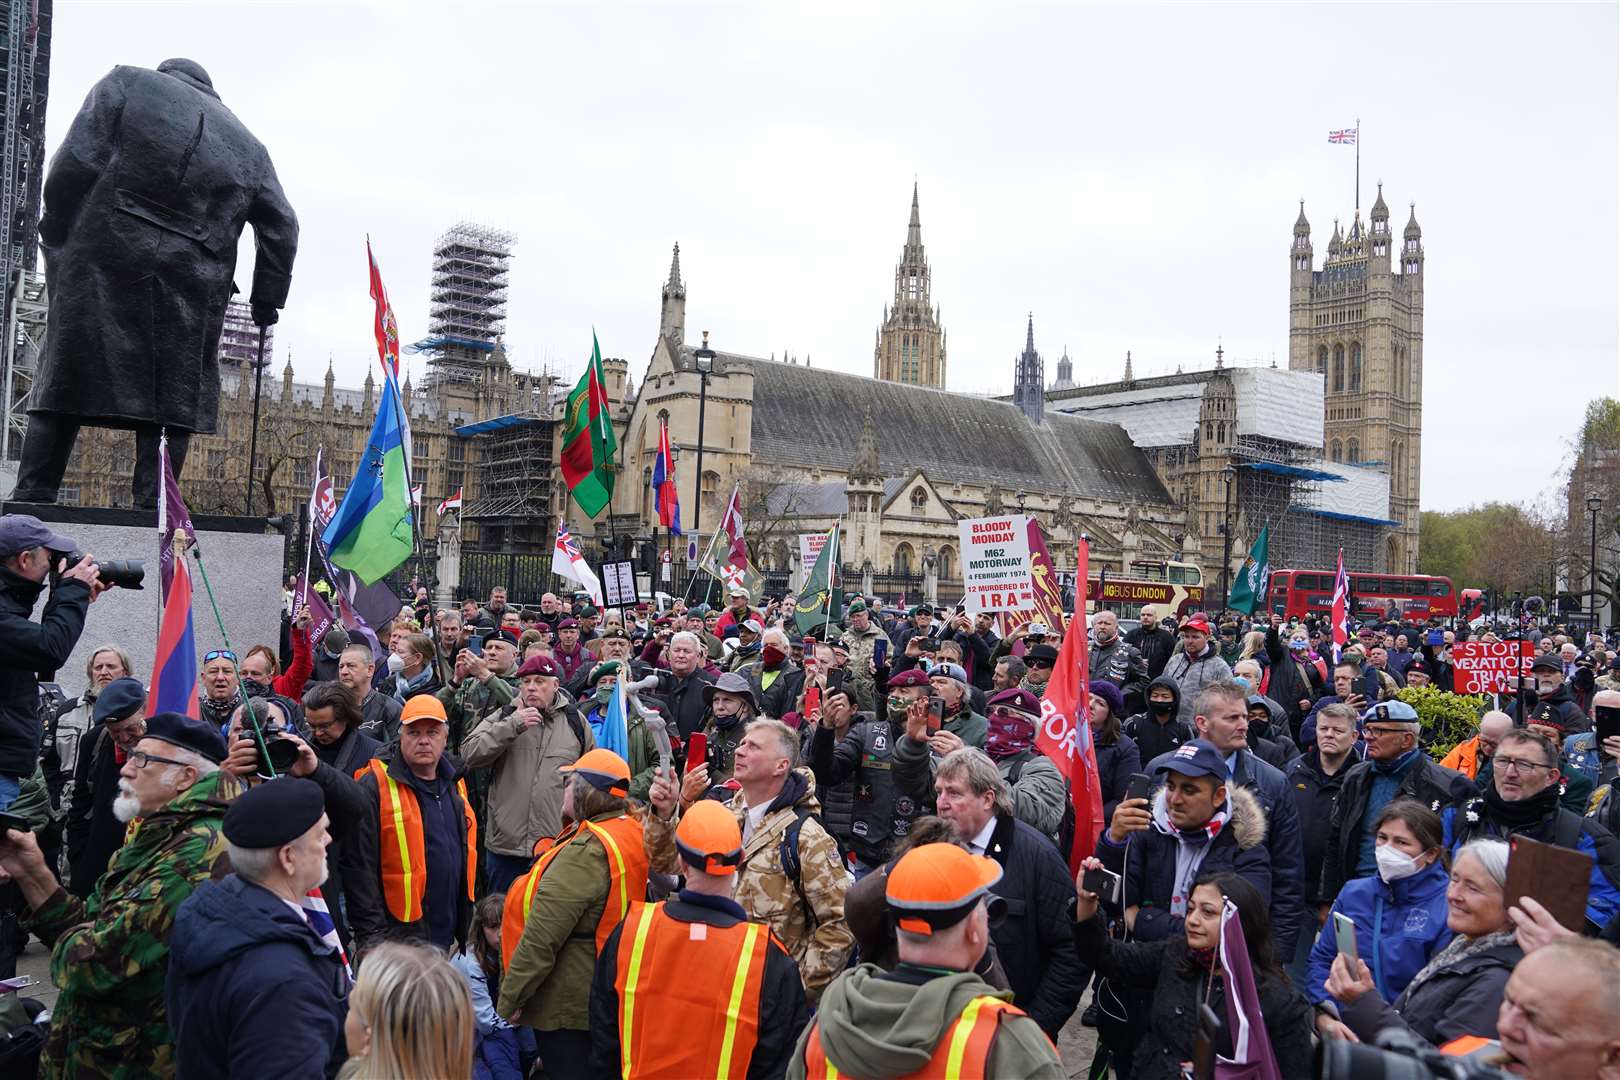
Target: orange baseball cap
709,839
936,885
605,770
420,707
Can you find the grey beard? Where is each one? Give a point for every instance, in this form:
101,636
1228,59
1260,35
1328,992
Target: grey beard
126,808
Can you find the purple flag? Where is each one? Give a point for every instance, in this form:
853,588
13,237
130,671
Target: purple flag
321,618
172,515
1252,1058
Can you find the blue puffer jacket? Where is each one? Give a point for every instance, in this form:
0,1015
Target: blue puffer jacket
1399,928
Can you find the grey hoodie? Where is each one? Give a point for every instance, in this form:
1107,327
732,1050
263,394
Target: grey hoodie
877,1026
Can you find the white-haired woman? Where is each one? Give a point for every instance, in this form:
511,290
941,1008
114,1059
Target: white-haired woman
1459,991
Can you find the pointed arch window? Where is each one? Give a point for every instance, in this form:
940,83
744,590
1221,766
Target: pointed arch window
1338,369
1353,450
1322,359
919,499
1338,450
1355,367
947,563
903,557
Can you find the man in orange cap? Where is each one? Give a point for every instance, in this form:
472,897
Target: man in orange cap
417,853
578,891
930,1016
729,999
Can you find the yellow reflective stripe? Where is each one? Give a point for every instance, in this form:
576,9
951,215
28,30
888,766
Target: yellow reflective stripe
628,1005
959,1039
618,860
739,982
397,813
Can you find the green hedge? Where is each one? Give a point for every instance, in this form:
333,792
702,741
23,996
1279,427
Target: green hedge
1447,719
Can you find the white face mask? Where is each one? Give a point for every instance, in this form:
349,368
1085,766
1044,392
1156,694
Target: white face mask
396,663
1393,863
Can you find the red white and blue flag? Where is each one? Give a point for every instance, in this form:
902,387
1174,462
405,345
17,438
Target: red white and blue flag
1340,618
1064,735
386,330
174,668
319,918
1346,136
450,502
665,496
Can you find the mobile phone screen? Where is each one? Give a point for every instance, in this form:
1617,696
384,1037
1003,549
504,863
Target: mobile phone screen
1345,931
936,714
880,651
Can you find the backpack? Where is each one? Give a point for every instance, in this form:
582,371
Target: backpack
788,852
1066,827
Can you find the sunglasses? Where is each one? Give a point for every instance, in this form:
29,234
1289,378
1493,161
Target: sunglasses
219,654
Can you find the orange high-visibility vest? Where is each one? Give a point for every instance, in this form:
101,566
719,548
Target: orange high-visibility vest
962,1053
626,851
706,980
403,848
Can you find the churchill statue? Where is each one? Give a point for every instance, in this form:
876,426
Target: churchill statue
144,204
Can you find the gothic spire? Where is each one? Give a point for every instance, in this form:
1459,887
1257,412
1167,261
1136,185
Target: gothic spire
865,463
674,286
1128,376
1029,337
914,230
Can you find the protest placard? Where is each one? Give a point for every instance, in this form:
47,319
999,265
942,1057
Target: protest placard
995,563
1490,667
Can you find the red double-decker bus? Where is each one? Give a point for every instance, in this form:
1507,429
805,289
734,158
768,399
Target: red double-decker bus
1297,593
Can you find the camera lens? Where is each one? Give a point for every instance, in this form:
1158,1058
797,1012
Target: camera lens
283,754
124,573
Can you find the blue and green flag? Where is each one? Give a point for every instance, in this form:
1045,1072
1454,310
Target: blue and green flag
372,530
1254,578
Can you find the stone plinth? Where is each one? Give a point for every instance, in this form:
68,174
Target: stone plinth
243,558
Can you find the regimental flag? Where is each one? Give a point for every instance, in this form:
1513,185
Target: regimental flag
1043,579
1340,618
359,605
588,440
386,331
726,558
1346,136
1254,577
372,531
174,668
666,496
451,502
820,601
568,561
1065,731
1252,1056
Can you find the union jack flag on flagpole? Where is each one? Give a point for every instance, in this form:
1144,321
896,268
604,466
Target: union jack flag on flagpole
1340,618
1347,136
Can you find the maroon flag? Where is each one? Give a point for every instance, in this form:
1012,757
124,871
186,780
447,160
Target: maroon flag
1043,579
172,516
1252,1056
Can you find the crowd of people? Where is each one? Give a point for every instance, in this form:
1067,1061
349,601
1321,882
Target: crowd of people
501,840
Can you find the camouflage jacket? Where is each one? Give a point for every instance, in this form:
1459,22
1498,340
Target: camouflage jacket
470,701
860,654
110,954
809,919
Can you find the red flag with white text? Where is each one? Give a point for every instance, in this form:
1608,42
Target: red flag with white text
1065,731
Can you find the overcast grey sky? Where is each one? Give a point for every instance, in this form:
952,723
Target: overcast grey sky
1128,173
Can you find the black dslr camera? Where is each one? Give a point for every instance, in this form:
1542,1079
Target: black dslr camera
1397,1055
124,573
277,753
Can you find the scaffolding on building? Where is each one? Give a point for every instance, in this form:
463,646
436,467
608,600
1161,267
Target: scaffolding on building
467,301
26,316
25,56
1288,488
512,498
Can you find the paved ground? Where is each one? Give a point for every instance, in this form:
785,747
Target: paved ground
1076,1043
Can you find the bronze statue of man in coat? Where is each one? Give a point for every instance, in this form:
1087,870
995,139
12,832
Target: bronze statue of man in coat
144,204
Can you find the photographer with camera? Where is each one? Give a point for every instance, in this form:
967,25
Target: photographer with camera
30,553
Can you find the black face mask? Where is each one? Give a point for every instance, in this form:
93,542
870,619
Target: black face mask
1161,708
255,690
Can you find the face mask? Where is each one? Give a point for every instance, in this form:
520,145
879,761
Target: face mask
604,694
1393,863
772,655
255,689
1241,681
1161,708
396,663
1299,646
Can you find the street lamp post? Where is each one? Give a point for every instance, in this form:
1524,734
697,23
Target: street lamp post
1229,476
704,358
1594,504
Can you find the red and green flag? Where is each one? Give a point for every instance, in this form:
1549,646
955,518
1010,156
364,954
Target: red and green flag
588,440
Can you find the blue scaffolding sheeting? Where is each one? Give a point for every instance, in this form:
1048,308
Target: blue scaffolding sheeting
1298,472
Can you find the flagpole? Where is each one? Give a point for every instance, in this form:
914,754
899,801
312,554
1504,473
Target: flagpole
410,484
309,539
1358,164
832,572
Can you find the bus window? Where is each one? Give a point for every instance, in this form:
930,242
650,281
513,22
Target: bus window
1440,588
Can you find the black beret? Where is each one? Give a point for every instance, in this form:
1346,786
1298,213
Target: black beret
188,734
504,635
119,700
275,813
